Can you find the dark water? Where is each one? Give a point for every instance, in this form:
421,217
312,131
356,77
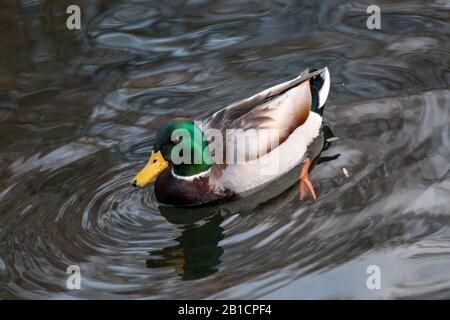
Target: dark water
78,110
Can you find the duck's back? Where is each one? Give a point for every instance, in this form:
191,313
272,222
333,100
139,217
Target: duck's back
272,130
268,118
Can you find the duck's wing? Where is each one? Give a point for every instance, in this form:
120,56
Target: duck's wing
269,117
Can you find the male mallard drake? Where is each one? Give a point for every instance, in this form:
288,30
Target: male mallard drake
269,133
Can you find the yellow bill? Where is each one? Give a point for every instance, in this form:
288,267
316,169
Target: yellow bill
154,166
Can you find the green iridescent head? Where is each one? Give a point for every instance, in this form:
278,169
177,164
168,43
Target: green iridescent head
181,143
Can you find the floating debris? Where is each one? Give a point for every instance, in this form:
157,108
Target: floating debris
346,174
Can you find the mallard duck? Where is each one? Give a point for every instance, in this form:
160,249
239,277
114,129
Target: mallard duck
195,161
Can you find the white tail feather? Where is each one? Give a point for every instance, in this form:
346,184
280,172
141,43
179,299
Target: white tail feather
323,92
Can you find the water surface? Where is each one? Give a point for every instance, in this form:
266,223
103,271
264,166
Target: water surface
78,110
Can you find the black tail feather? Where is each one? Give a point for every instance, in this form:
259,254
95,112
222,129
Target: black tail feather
316,84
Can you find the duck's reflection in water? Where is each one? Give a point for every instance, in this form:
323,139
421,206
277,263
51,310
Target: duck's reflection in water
198,253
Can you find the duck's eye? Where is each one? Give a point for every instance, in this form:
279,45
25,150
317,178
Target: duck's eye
154,160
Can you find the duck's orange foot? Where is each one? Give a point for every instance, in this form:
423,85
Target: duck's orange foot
305,184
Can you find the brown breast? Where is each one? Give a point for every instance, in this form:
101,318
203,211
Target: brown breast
176,191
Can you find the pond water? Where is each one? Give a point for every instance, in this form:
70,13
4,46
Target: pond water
78,110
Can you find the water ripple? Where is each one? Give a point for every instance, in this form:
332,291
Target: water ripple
80,112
